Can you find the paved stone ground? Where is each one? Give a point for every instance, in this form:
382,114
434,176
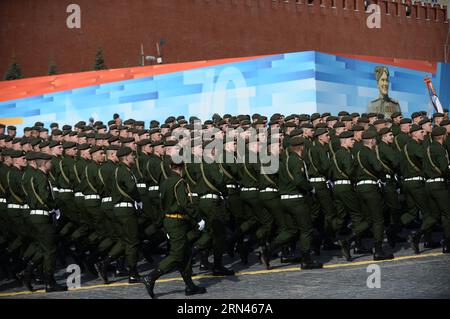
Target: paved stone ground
408,276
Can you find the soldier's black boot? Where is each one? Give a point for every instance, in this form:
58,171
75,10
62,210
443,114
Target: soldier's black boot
102,269
429,242
309,263
345,249
265,256
380,254
149,281
204,262
191,288
243,250
120,270
414,239
219,269
25,276
360,249
134,277
52,286
446,246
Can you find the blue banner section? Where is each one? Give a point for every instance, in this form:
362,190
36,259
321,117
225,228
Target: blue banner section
303,82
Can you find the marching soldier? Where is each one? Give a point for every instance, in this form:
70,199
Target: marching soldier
42,206
126,200
176,204
437,171
390,161
414,187
368,172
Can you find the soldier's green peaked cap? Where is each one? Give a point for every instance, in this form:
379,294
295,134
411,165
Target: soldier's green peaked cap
438,131
124,151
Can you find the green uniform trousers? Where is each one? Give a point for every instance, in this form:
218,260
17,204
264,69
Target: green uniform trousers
300,214
346,202
180,253
439,200
371,201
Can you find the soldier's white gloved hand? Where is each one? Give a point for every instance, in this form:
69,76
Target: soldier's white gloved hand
138,205
330,184
313,190
201,225
57,213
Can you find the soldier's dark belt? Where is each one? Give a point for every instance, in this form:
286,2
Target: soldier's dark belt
342,182
268,189
418,178
317,179
434,180
175,216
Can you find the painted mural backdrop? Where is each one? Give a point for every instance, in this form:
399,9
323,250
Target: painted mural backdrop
303,82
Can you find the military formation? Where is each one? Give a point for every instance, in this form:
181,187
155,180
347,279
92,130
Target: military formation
109,196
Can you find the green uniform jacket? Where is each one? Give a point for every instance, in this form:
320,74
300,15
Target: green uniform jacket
388,158
90,180
211,180
318,160
367,166
248,172
436,162
124,186
66,178
342,167
175,197
106,175
14,193
40,193
292,176
412,159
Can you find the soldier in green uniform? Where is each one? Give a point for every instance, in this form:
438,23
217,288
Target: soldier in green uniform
402,137
42,207
211,188
324,213
396,119
389,159
17,206
127,201
259,219
346,200
286,233
383,104
293,188
437,172
368,173
106,175
413,157
177,207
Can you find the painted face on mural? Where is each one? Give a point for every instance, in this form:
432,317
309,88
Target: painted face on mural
383,84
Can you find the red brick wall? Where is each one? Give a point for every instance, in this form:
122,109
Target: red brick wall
35,31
